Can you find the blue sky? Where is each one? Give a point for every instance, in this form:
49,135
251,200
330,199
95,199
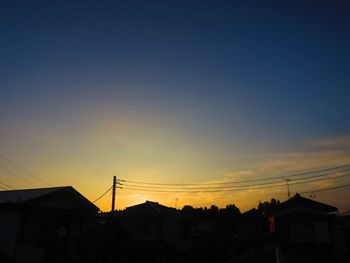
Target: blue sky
193,81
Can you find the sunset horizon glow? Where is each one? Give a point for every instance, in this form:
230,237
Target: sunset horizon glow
184,92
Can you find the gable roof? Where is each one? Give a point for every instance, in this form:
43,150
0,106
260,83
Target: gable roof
252,213
63,197
302,204
150,209
25,195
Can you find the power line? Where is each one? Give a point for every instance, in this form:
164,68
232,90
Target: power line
103,194
236,182
233,189
24,170
326,189
18,176
8,186
230,187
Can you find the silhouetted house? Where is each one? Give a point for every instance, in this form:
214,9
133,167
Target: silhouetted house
341,236
251,225
103,239
302,220
157,232
42,225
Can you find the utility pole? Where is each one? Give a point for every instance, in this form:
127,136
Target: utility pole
113,191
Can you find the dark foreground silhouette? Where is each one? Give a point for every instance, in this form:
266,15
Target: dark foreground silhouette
60,225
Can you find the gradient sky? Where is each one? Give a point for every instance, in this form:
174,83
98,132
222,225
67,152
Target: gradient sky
173,92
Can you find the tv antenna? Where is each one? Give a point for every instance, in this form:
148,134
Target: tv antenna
176,199
287,182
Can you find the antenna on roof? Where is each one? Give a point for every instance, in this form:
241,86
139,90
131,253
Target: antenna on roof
176,199
287,182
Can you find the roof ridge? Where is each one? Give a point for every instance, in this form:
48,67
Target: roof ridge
310,200
28,195
153,205
37,189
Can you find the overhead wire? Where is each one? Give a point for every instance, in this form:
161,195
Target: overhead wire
102,195
236,182
109,201
326,189
235,189
228,186
8,186
20,177
24,170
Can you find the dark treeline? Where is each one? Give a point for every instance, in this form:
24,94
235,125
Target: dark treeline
230,211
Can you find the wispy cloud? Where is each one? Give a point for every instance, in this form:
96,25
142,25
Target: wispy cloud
340,142
283,164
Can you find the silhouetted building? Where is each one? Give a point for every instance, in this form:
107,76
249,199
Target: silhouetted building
157,233
341,236
302,227
251,225
42,225
302,220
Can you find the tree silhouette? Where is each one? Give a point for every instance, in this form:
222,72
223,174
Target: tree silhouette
187,209
230,211
263,207
214,210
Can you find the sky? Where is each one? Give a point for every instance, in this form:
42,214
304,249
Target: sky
174,92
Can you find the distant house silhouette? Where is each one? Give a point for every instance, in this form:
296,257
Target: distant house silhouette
251,225
42,225
300,231
302,220
157,232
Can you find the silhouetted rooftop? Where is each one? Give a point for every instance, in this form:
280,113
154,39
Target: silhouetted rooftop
63,197
25,195
252,213
301,204
150,208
